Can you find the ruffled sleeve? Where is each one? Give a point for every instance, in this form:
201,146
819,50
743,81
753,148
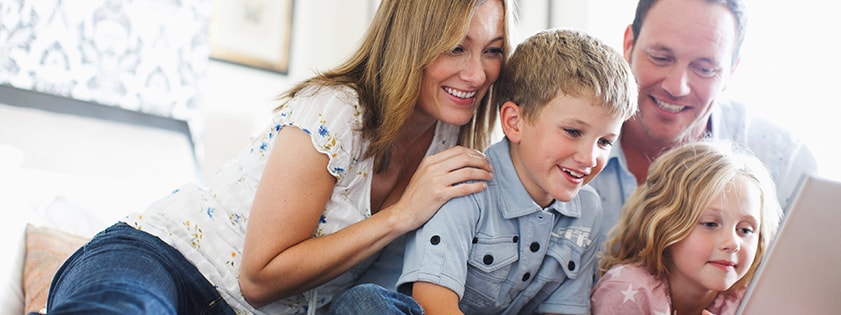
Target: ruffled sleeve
332,117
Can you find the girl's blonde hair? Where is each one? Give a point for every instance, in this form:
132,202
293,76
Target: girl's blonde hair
681,183
386,70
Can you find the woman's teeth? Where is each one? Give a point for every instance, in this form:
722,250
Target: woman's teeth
459,94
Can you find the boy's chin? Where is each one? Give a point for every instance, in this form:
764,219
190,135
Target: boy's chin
567,195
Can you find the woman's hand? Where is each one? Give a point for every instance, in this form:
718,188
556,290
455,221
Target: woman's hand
455,172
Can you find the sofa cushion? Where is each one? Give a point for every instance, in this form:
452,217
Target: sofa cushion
46,249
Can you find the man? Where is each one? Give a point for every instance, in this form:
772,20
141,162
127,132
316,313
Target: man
683,53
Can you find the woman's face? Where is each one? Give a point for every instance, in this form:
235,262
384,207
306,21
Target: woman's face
455,82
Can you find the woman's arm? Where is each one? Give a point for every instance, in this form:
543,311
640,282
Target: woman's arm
280,256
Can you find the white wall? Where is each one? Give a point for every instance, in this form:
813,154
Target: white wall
239,99
788,72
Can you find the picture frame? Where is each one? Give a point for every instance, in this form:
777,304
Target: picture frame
253,33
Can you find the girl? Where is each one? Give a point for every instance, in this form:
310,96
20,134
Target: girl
691,237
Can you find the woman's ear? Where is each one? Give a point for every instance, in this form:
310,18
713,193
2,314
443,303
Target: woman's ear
510,118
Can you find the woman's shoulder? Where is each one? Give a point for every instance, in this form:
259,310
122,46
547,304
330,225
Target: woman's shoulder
321,104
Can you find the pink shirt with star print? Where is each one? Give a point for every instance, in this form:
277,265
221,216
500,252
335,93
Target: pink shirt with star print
626,289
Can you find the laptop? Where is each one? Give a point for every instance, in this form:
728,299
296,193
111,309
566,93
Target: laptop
801,273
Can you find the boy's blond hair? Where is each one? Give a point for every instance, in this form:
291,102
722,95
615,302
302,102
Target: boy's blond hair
570,62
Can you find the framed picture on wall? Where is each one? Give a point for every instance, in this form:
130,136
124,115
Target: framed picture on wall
254,33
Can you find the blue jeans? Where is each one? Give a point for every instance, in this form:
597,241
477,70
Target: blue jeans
126,271
373,299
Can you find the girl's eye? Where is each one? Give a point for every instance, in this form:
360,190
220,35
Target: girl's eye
605,143
710,225
746,231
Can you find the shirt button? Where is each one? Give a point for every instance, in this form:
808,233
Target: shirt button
526,276
475,240
488,259
435,239
571,265
534,247
515,239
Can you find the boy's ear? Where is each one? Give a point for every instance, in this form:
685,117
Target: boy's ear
510,118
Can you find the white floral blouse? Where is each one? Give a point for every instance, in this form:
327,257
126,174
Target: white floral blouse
207,224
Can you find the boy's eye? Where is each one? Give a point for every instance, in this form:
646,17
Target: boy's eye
573,132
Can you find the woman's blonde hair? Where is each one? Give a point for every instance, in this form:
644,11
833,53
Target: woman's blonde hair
681,183
386,70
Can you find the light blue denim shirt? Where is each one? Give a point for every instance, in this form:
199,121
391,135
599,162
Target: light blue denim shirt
504,254
786,158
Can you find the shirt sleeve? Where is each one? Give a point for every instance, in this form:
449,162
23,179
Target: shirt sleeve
438,251
333,119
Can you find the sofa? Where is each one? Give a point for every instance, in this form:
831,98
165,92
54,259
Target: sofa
70,168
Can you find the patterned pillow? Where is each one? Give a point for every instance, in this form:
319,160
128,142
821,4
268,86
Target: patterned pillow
46,249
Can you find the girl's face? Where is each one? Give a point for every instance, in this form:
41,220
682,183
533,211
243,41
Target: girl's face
722,245
454,83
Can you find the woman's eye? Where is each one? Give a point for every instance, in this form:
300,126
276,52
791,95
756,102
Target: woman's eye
495,51
457,50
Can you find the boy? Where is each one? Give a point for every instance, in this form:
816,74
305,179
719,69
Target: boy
527,243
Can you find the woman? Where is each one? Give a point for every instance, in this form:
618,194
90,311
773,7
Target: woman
354,158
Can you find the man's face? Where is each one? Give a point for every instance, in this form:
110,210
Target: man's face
682,60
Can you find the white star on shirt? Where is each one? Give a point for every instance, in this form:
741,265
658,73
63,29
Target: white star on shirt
615,272
629,294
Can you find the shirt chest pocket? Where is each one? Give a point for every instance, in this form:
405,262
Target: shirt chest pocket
568,256
490,255
489,267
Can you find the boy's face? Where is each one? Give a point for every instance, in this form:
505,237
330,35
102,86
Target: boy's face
564,148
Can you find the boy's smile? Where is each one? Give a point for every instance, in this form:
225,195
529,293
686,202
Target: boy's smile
563,148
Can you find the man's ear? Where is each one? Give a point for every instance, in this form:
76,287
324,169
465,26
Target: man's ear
628,43
511,118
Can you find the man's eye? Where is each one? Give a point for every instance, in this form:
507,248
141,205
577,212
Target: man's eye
659,60
706,72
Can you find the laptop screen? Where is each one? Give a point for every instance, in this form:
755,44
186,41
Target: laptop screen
801,273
